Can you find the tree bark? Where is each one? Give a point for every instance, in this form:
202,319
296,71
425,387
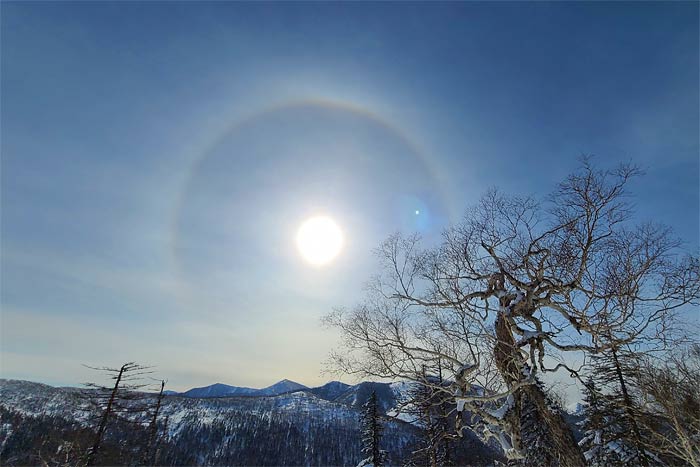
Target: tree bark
531,400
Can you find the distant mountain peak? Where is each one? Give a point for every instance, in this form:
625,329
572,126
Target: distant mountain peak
225,390
280,387
331,390
286,381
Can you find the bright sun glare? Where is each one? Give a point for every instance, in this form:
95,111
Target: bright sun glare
319,240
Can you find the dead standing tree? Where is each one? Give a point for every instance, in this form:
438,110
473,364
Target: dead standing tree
150,451
512,287
121,400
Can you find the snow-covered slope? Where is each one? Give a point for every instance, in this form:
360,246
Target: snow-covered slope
390,395
319,426
219,390
36,399
330,391
294,428
281,387
357,395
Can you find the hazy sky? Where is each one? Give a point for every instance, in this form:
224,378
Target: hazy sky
157,159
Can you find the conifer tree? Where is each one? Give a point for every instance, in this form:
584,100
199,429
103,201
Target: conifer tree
536,438
420,407
617,424
614,372
597,426
372,433
427,403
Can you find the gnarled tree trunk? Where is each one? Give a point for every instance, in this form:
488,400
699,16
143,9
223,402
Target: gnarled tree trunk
540,432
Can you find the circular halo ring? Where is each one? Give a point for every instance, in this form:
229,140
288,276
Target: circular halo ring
438,176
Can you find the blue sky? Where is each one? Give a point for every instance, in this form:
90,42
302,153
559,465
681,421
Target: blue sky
158,157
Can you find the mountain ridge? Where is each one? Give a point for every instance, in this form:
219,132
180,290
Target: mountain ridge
299,427
226,390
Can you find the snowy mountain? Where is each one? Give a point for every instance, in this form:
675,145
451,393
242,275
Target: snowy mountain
224,390
289,429
219,390
330,391
355,396
281,387
301,427
389,395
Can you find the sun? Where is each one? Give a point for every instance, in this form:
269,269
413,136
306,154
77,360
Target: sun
319,240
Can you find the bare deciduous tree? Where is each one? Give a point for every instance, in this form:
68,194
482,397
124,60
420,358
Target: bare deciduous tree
671,392
510,292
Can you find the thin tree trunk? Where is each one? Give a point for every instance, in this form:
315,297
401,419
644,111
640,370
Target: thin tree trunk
149,458
628,408
105,416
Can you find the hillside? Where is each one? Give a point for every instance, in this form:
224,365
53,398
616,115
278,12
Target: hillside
297,428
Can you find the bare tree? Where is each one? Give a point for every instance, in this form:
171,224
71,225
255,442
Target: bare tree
68,454
670,391
119,400
150,451
509,293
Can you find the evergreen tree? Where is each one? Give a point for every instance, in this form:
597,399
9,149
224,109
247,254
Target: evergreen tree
536,440
372,433
598,428
617,411
428,404
420,406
